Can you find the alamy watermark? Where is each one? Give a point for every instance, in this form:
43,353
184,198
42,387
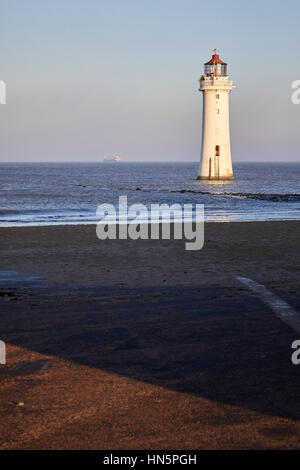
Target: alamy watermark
2,92
296,94
2,352
296,354
160,221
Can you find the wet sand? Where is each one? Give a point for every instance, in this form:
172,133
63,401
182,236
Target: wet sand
143,345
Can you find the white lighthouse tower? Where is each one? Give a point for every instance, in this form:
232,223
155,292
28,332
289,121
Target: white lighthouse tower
215,148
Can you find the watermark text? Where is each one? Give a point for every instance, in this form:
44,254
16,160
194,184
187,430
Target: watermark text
296,94
296,354
159,221
2,353
2,92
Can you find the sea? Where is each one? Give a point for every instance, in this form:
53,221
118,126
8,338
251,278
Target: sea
69,193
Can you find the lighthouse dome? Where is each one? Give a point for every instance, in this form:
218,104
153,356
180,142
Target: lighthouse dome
215,66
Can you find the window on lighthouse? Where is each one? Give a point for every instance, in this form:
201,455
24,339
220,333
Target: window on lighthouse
224,69
217,150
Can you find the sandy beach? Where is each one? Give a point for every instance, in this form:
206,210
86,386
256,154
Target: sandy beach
143,345
73,255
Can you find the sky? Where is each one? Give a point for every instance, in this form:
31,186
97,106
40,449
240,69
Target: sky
92,77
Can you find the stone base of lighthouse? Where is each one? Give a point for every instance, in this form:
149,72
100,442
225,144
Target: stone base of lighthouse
213,178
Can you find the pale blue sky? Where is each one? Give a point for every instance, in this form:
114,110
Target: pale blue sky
90,77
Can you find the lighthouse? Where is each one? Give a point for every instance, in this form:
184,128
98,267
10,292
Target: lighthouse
215,147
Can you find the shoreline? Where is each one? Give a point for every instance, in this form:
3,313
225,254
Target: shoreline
58,224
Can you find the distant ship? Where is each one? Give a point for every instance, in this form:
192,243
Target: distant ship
112,159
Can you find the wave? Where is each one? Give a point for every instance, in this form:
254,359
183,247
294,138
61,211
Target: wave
273,197
46,213
260,196
9,212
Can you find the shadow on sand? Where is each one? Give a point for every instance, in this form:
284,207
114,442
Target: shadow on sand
213,342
